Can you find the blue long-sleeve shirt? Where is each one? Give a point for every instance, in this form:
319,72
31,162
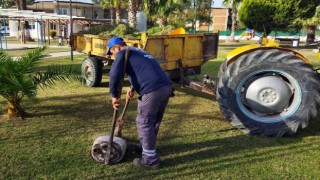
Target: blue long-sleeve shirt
144,72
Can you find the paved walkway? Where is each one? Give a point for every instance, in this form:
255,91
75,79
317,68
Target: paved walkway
32,46
60,54
22,46
18,46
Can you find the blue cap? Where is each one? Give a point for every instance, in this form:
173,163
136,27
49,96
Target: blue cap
113,41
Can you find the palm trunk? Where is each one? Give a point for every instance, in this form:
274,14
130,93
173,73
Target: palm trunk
132,13
15,109
118,15
18,4
163,21
21,4
311,33
234,23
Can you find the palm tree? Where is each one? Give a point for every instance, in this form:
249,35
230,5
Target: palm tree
234,4
162,9
20,78
115,7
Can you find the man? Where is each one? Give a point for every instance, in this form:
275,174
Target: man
154,89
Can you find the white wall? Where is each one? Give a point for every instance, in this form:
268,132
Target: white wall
13,25
141,22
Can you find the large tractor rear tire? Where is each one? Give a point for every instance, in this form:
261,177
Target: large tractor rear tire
91,70
269,92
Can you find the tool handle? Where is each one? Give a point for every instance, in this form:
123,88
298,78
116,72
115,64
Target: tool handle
108,153
126,104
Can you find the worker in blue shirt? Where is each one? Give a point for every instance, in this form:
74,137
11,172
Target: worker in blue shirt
154,89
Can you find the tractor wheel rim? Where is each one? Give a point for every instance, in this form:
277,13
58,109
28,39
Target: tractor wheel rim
269,95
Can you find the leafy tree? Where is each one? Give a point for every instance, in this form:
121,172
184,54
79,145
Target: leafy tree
234,4
20,78
6,3
268,15
198,10
310,24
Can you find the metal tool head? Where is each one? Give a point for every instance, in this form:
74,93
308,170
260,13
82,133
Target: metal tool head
100,148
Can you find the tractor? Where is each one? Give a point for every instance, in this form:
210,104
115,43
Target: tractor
262,89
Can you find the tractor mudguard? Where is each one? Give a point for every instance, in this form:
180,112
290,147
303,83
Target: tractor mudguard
234,54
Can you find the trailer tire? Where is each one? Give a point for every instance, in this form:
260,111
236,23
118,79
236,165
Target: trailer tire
91,70
269,92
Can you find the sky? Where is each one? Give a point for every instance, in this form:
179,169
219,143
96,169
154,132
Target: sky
217,3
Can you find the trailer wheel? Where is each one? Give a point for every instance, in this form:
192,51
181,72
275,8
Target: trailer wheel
269,92
91,70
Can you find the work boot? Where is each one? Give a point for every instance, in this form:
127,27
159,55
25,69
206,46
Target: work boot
139,162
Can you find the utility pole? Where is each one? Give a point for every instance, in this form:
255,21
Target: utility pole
58,7
195,16
71,32
209,15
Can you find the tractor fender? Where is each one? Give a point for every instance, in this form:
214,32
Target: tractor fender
234,54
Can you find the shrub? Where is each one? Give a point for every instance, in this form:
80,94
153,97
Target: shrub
53,34
160,30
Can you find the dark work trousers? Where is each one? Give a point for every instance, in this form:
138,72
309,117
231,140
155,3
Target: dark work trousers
151,108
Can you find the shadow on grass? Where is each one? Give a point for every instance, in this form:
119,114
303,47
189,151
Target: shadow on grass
219,154
186,147
191,158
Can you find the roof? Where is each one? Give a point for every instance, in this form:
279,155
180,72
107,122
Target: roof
66,1
31,14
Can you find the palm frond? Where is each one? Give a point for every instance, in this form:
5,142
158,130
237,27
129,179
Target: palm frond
57,73
21,86
15,87
28,63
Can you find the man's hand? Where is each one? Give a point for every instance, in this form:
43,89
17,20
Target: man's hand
115,103
130,93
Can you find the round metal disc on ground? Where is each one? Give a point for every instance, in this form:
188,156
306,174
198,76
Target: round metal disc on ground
100,147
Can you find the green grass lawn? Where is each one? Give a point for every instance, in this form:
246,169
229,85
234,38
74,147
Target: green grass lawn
21,52
14,40
195,141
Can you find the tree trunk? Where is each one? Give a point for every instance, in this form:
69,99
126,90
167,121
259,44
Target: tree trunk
112,16
15,110
163,21
234,24
311,33
21,4
132,11
118,14
18,4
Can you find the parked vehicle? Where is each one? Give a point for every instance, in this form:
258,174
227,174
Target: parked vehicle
5,30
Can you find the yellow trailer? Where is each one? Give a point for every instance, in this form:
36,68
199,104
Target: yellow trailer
261,89
179,55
